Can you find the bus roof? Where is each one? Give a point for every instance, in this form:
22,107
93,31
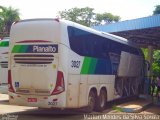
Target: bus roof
103,34
70,23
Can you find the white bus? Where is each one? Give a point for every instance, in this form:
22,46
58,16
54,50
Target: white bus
4,46
60,64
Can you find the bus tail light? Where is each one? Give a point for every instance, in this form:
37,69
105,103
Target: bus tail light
60,87
10,87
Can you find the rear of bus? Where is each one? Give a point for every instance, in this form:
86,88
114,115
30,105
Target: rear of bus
35,78
4,45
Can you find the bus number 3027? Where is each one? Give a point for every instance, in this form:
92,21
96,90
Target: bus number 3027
75,64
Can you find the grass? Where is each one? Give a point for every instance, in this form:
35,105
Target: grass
114,107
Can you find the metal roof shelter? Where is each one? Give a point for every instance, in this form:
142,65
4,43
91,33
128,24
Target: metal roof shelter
143,31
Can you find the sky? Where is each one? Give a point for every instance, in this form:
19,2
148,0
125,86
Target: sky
126,9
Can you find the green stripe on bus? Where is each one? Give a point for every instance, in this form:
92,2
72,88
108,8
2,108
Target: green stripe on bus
16,48
19,48
24,48
86,65
4,43
89,65
92,66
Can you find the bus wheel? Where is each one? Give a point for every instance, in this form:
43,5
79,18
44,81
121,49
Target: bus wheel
91,101
101,101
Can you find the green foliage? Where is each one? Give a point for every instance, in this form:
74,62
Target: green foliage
79,15
107,18
1,25
145,52
114,107
157,10
156,61
87,17
7,17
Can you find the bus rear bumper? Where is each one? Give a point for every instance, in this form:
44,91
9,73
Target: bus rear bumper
36,101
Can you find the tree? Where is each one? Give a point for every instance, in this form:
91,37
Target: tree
87,17
78,15
7,17
157,10
156,63
106,18
156,55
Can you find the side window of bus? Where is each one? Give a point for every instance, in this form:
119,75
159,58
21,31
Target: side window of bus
90,43
87,44
105,48
115,47
75,41
98,50
80,41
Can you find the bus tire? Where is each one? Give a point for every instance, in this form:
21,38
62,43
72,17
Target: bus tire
91,101
101,101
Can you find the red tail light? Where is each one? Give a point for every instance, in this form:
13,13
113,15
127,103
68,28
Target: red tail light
10,87
60,87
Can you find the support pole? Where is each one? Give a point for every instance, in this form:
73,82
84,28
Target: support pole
150,60
149,74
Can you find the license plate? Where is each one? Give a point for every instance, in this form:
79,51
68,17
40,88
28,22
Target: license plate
32,99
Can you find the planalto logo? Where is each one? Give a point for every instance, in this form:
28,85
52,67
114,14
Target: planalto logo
44,49
49,48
